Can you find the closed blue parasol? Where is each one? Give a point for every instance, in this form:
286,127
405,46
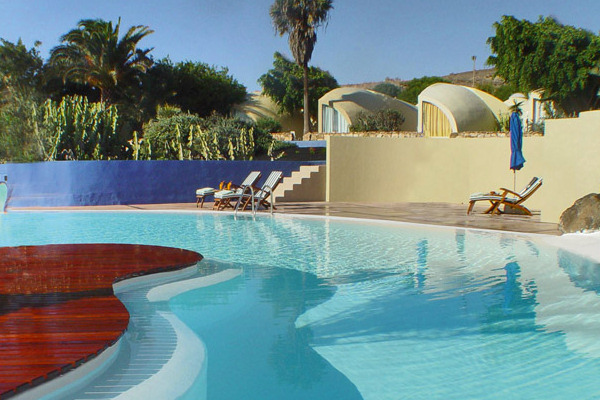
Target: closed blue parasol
516,143
516,146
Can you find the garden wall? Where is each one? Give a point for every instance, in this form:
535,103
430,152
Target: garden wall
362,169
78,183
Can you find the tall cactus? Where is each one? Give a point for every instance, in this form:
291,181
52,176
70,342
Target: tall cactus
215,151
230,149
179,144
245,144
202,146
136,145
86,130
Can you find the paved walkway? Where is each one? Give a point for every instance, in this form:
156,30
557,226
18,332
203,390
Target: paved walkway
423,213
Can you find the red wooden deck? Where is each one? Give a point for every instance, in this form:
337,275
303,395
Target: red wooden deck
57,307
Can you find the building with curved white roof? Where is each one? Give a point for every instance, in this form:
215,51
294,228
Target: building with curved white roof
445,108
339,107
532,107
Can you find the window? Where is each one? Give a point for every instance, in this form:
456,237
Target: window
333,122
435,122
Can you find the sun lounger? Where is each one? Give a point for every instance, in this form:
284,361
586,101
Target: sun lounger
209,191
506,197
261,196
223,198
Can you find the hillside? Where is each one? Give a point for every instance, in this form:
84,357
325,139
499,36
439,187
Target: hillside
482,77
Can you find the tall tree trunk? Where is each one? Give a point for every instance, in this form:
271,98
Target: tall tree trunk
306,110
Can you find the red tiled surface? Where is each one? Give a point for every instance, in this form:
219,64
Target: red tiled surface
57,307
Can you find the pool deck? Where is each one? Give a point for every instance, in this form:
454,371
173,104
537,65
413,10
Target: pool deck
58,309
445,214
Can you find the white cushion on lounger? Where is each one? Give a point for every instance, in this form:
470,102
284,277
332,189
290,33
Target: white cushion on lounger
205,191
225,193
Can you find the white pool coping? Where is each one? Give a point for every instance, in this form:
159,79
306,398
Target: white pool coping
76,377
187,363
586,244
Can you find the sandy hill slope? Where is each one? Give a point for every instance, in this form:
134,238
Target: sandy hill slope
482,77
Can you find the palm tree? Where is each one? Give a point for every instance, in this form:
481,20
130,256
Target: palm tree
93,54
300,20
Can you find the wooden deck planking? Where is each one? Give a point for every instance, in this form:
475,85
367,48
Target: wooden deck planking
57,307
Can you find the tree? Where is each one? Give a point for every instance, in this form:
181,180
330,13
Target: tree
284,84
388,88
415,86
562,60
19,67
94,54
503,92
299,19
20,102
193,86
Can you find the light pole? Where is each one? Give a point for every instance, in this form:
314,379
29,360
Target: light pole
474,58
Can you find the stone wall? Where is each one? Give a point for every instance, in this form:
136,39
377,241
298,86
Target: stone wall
323,136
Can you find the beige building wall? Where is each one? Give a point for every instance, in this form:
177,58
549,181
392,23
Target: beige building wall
449,170
571,160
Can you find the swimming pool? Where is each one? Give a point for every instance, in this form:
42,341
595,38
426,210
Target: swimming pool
324,308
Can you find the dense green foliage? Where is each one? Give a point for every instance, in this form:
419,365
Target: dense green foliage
96,91
175,134
414,87
284,84
20,137
503,92
388,88
192,86
80,130
19,67
20,102
562,60
269,125
300,19
381,121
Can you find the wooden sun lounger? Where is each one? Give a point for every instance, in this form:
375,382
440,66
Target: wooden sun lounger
506,197
223,198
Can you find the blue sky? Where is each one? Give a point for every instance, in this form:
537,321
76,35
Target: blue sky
365,40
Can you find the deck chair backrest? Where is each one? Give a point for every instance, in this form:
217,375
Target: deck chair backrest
531,187
251,179
270,184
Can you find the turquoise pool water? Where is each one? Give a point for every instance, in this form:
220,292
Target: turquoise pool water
323,309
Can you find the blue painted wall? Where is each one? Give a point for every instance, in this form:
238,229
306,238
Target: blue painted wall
78,183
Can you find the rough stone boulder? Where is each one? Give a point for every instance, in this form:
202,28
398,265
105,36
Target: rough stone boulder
583,215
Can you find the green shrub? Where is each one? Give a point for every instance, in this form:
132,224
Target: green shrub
415,86
163,136
388,88
22,137
176,135
268,125
381,121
